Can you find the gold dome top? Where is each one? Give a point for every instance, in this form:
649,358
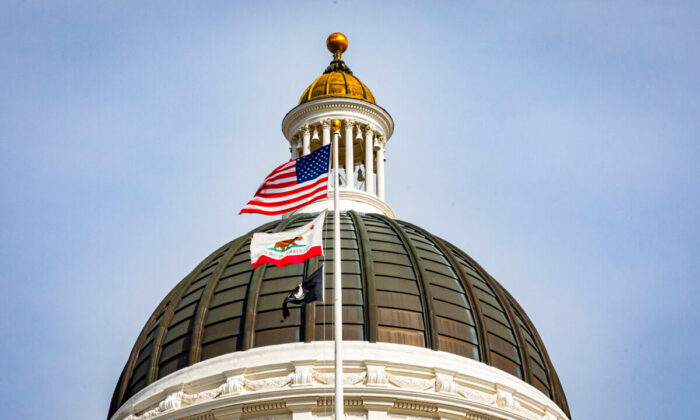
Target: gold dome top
337,80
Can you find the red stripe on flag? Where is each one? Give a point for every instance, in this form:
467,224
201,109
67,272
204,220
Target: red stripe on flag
290,191
283,210
290,259
255,202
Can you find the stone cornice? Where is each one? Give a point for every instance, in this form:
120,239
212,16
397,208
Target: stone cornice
341,108
423,381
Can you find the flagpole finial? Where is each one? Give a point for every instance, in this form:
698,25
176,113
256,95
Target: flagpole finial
335,125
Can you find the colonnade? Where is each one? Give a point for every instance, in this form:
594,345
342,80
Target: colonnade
353,135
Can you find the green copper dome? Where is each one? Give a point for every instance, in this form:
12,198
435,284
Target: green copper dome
400,285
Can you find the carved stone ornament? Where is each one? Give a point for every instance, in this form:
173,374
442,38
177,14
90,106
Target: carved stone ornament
268,383
233,385
329,378
376,375
303,376
411,383
549,414
504,399
476,396
171,402
326,124
445,383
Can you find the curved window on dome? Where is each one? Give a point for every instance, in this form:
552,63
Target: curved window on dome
139,374
175,348
400,314
501,339
453,315
222,332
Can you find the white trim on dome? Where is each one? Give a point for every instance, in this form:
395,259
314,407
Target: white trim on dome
382,381
317,110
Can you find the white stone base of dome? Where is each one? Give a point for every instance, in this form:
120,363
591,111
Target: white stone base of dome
382,381
350,199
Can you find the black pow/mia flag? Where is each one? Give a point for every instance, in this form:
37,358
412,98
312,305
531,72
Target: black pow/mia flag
310,290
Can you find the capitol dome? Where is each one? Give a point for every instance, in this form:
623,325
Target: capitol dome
401,285
427,332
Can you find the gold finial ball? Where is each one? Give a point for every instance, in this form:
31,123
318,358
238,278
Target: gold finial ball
335,125
337,43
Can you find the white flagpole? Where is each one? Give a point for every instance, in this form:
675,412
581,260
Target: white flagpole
337,282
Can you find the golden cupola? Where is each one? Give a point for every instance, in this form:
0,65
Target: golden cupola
337,80
364,131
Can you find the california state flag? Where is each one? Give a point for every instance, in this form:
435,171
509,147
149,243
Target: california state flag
290,247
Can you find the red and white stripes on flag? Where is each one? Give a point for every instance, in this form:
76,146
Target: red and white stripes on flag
293,185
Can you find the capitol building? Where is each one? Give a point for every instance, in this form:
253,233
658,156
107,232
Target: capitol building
428,333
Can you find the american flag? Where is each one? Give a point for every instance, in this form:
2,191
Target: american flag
293,185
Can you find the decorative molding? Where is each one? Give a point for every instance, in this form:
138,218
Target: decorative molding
445,383
266,406
504,399
440,383
233,385
410,383
303,376
476,396
202,417
315,111
415,406
376,375
329,378
268,383
347,402
472,416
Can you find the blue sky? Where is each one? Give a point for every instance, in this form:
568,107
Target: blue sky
556,143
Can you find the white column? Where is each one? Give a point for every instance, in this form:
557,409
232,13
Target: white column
306,144
349,158
294,149
326,131
380,168
369,160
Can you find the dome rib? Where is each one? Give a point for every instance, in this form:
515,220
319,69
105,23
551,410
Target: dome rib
484,350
